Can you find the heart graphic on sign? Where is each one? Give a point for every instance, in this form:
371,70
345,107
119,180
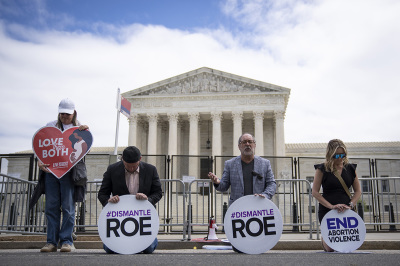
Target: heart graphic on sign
61,149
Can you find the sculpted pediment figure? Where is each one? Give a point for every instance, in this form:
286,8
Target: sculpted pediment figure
206,81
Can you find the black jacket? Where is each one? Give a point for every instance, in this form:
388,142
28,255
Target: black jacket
114,182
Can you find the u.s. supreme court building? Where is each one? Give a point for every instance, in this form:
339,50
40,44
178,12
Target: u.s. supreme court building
204,112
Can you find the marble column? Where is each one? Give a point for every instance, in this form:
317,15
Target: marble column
237,117
194,133
142,127
133,129
152,140
259,132
173,133
194,144
279,118
216,118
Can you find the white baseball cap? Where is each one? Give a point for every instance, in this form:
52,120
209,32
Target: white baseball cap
66,106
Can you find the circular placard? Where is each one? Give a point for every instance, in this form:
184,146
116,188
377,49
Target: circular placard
253,224
129,226
343,231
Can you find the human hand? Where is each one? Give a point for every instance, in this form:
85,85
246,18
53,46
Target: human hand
214,178
43,167
260,195
114,199
141,196
340,207
83,127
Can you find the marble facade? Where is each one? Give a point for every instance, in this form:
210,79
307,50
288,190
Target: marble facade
178,115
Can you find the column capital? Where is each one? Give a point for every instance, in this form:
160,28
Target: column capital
237,115
133,118
216,116
258,115
194,116
173,117
152,117
279,115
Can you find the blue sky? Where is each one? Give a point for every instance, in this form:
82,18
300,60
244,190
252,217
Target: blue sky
339,58
78,15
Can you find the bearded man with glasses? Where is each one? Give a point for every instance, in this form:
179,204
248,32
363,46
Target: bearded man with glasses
246,174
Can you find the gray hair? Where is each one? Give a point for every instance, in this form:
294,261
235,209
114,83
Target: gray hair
240,138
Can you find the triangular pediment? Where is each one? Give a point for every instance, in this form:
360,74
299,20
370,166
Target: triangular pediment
206,81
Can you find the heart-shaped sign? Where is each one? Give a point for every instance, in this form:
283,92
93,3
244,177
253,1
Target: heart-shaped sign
61,149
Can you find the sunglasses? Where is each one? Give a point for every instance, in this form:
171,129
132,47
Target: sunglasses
339,155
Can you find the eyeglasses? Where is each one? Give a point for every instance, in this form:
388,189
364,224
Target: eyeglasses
247,142
339,155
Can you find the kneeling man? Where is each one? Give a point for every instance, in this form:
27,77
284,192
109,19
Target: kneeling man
131,176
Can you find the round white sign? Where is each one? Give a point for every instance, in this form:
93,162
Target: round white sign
129,226
253,224
343,232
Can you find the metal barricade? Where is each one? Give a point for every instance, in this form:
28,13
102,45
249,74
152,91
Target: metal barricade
296,215
187,210
379,205
171,208
87,213
294,200
199,206
14,207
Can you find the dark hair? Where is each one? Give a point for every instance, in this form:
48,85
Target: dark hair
86,136
131,154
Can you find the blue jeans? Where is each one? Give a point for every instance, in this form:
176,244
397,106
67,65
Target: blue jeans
59,194
148,250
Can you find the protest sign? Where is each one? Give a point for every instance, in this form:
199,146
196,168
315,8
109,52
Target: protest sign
61,149
129,226
253,224
343,231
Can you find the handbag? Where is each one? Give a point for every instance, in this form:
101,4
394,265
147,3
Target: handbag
345,188
79,174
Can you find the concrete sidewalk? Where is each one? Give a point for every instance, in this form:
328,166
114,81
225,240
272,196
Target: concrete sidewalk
288,241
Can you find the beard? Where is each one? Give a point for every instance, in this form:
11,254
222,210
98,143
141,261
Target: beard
248,151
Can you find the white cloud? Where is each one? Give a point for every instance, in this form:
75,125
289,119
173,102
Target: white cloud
339,58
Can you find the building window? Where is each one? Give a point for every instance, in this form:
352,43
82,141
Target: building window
366,185
385,184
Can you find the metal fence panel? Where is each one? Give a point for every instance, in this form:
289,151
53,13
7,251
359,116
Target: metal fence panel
14,206
187,203
381,207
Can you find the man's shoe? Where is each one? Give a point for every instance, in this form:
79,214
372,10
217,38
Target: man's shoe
49,248
66,248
